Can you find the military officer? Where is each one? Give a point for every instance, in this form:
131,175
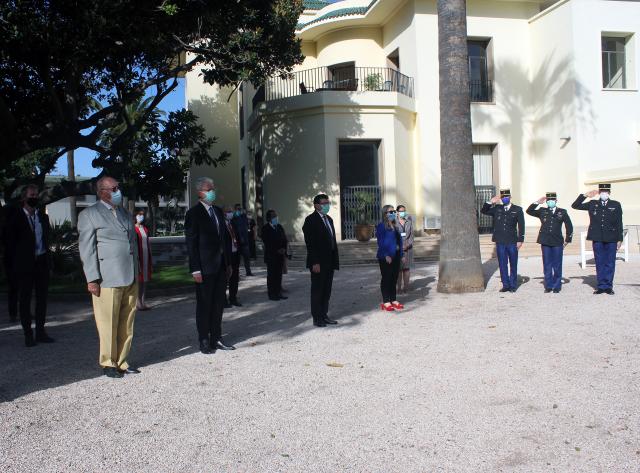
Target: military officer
550,238
508,234
605,231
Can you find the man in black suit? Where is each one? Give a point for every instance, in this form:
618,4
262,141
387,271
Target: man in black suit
322,258
605,232
27,241
275,249
209,248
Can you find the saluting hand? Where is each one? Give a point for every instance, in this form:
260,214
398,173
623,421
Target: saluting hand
542,200
495,199
592,193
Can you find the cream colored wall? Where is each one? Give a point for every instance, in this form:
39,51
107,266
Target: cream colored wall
220,119
362,45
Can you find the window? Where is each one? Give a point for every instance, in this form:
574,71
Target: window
480,70
617,54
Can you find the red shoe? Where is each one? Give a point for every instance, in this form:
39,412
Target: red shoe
388,308
397,305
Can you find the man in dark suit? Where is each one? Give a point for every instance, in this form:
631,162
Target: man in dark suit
275,248
28,246
508,235
322,258
241,226
605,231
550,238
209,249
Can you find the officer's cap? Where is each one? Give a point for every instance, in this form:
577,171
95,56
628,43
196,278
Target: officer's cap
552,196
604,187
505,192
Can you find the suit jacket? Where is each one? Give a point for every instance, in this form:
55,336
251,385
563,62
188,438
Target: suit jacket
241,227
322,247
108,246
508,225
551,228
208,245
274,239
20,240
605,220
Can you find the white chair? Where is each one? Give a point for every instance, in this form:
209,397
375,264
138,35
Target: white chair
624,249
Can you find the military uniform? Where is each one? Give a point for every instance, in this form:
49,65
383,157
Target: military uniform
551,240
605,231
508,230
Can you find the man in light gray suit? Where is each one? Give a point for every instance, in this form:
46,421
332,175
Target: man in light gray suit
108,249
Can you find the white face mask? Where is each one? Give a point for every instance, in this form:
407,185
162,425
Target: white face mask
604,196
229,215
139,218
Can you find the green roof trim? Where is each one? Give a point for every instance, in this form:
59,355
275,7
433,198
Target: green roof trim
337,14
314,4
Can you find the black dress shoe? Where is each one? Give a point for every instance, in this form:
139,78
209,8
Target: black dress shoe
205,347
29,341
609,291
504,289
281,297
274,298
221,346
329,321
599,291
547,290
513,289
227,305
111,372
249,273
236,303
556,290
129,370
42,337
320,324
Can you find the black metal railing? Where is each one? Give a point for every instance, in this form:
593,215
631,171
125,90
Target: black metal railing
351,79
359,204
481,90
484,194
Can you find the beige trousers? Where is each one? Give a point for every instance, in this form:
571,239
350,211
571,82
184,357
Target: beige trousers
115,310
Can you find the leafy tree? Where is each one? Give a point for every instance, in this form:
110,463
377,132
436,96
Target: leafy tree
59,58
460,264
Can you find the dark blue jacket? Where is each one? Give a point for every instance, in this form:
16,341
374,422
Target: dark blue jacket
551,225
605,219
389,242
508,225
241,227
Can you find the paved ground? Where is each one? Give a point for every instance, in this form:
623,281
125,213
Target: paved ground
487,382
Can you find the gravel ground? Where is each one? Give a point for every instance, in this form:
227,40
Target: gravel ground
488,382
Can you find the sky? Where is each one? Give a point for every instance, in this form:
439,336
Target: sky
83,157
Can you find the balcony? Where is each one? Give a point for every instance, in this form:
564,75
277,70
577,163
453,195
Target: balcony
481,91
329,80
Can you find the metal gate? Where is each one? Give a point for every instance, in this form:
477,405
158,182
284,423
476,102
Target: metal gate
484,194
358,204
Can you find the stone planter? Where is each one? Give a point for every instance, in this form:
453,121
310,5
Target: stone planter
364,232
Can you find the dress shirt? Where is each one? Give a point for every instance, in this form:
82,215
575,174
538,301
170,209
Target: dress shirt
36,226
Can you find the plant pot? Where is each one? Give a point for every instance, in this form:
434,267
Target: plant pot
364,232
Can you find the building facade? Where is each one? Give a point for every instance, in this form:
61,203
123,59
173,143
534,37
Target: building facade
555,107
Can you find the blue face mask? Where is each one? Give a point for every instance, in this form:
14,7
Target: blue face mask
402,214
391,217
551,203
274,221
237,213
506,200
325,208
116,197
210,196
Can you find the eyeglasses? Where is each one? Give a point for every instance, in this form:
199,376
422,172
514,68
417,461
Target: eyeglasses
112,189
391,212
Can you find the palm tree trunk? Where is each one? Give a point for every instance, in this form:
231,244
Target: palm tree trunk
71,176
460,262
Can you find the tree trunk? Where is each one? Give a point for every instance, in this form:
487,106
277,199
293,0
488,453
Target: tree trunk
460,262
73,201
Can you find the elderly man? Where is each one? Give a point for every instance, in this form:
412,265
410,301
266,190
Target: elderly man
209,248
27,254
108,249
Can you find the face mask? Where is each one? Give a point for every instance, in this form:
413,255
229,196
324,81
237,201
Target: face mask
551,203
139,218
229,215
274,221
237,213
604,196
325,208
116,197
402,214
391,217
506,200
209,197
33,202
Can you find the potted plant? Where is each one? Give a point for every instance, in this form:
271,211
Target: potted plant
373,82
363,212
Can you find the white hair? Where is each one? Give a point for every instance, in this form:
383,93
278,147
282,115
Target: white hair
201,182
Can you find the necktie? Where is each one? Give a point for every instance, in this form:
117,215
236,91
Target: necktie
326,224
213,216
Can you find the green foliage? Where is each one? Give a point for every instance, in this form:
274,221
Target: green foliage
373,82
363,210
63,244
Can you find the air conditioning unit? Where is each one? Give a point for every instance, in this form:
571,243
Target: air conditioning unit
432,222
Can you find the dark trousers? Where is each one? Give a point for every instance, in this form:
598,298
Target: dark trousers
508,263
274,277
210,305
552,265
252,248
246,258
389,273
321,284
37,279
605,256
12,294
234,280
